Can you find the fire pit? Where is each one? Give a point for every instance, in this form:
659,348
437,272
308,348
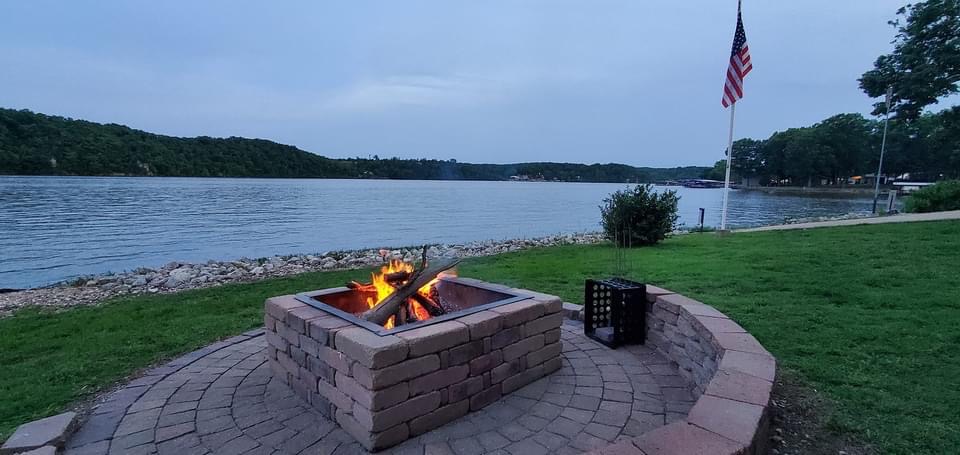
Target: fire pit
444,297
444,346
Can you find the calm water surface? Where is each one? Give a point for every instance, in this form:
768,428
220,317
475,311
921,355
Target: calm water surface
56,228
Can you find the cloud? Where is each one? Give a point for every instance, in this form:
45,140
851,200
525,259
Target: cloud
455,90
415,91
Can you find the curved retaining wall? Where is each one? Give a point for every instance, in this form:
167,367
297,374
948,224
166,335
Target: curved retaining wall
732,375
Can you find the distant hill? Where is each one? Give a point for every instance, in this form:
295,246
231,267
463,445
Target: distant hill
38,144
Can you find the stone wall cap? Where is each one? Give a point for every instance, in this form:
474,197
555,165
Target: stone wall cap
743,342
538,296
45,450
656,290
370,349
682,438
735,385
435,337
731,419
279,306
763,366
519,312
482,324
572,311
718,325
51,430
691,306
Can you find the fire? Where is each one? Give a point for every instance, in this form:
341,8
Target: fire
384,288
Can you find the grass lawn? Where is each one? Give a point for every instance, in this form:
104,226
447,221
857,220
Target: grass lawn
868,316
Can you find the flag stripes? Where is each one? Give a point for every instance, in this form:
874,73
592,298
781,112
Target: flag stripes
740,65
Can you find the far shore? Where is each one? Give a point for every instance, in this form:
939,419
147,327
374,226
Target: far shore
848,191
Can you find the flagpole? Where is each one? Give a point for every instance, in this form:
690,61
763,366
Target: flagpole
883,146
726,180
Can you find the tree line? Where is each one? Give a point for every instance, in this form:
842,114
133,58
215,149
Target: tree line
38,144
847,145
922,70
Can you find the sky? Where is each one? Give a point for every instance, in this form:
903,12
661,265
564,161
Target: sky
499,81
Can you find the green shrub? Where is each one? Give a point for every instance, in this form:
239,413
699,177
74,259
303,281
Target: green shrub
639,216
935,198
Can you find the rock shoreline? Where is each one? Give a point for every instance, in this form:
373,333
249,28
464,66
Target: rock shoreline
179,276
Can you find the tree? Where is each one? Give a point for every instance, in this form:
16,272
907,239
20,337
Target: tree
850,138
717,172
925,63
747,158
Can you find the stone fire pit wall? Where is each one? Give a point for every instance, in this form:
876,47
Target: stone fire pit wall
386,389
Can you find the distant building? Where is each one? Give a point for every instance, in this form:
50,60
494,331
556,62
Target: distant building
750,181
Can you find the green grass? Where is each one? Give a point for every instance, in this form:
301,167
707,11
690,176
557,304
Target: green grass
868,316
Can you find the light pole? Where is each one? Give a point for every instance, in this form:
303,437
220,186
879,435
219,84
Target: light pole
883,146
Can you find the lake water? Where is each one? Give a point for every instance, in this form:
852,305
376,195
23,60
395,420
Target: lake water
56,228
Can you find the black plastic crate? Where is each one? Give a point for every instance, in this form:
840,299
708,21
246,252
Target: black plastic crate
614,311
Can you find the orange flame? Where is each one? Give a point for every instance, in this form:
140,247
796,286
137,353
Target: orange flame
385,289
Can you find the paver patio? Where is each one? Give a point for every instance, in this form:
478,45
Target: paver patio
224,399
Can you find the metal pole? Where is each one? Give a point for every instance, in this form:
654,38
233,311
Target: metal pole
726,180
883,146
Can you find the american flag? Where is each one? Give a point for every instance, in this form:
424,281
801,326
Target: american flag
740,65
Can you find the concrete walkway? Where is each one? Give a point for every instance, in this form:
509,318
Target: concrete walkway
902,218
223,399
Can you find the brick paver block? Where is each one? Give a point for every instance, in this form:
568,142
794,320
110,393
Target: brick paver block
520,312
370,349
435,337
320,329
394,374
483,324
277,307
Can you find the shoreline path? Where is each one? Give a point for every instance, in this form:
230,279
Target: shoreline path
902,218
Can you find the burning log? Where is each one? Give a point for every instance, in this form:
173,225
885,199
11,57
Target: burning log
396,277
389,306
432,307
401,316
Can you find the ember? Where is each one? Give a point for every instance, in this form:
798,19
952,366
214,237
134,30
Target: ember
401,294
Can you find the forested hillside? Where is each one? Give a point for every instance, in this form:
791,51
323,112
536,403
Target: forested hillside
38,144
846,145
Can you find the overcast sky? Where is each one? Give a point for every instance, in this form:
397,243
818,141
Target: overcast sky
628,81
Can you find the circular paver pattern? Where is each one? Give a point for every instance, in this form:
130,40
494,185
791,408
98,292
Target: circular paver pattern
224,399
